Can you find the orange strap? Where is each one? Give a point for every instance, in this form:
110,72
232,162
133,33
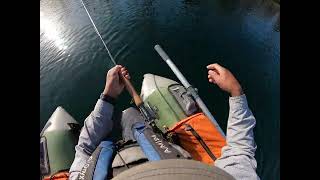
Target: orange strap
59,176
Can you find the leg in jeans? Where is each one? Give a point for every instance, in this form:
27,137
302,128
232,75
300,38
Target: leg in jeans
129,117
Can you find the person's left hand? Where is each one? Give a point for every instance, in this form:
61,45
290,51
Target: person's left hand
114,84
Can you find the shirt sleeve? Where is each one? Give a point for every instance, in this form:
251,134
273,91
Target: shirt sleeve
96,127
238,155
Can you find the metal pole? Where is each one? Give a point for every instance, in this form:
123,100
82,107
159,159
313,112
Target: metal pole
189,88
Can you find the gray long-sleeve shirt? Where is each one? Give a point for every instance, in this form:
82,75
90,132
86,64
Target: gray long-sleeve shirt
96,127
237,156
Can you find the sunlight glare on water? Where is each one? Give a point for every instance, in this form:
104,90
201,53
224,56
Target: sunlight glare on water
52,32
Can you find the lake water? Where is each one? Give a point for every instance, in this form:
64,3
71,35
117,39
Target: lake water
242,35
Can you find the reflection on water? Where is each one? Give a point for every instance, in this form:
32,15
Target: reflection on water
51,32
265,9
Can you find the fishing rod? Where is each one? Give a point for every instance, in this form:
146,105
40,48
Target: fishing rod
187,85
146,111
127,83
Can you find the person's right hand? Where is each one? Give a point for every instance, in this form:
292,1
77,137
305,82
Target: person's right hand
224,79
114,84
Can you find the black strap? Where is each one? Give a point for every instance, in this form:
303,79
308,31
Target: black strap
108,99
122,144
203,144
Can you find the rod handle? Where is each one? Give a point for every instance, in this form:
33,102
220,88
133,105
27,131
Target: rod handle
132,91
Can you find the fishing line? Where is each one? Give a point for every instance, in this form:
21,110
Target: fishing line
96,29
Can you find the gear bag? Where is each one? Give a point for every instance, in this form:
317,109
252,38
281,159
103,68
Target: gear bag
198,136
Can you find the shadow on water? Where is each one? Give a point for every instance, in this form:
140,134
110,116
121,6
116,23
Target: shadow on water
242,35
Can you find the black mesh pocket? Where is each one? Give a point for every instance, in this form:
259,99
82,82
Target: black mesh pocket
184,99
